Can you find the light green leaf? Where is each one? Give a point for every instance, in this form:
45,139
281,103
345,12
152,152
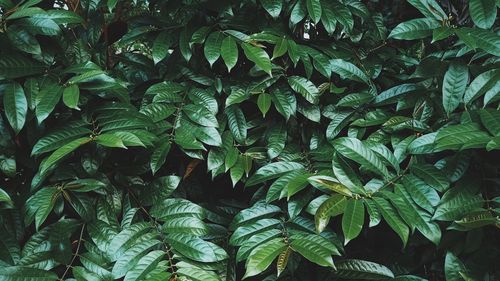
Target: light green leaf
262,256
314,248
71,95
331,207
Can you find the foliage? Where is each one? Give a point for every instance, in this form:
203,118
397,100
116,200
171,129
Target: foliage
343,140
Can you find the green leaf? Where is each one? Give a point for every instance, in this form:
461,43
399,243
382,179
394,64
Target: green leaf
110,140
58,138
276,140
314,10
353,219
61,152
373,212
459,137
456,203
313,248
262,256
393,219
15,66
244,232
23,40
454,269
349,71
258,56
430,9
159,156
281,47
355,150
273,7
193,247
454,84
425,196
237,123
144,266
331,207
21,273
71,95
342,14
264,103
39,206
490,119
414,29
200,115
196,274
395,93
15,105
483,12
431,176
479,38
161,45
229,52
271,171
212,47
304,87
284,102
481,84
46,100
329,183
362,270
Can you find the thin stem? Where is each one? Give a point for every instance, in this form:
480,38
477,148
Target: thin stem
70,265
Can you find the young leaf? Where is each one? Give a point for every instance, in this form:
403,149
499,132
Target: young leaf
263,255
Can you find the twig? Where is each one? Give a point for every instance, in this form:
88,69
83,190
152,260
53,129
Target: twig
75,255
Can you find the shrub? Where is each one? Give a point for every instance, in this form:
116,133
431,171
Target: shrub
269,140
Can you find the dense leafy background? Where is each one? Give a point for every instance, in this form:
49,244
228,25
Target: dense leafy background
271,139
